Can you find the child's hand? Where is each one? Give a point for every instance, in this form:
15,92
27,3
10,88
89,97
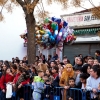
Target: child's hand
13,85
94,90
70,98
66,87
3,91
20,86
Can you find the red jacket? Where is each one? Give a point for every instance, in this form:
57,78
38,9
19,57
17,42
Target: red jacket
16,78
5,79
23,83
55,75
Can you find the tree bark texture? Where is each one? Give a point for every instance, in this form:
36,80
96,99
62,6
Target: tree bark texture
31,50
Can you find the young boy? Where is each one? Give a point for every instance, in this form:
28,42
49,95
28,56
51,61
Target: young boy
38,85
71,83
46,79
48,88
72,94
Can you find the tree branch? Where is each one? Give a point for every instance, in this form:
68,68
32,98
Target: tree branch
28,1
21,2
3,5
35,2
91,2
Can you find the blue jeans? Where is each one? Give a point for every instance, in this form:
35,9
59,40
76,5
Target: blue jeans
2,95
36,96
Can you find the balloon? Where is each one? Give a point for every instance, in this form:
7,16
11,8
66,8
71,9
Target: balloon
52,32
58,21
53,26
60,26
53,18
56,32
46,35
65,33
39,42
48,32
65,24
44,40
60,35
46,20
51,39
69,38
41,32
37,32
48,26
38,36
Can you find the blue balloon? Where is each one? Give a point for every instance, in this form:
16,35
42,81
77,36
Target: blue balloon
65,24
48,32
53,18
57,20
52,39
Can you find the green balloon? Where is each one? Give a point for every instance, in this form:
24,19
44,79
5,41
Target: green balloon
53,26
46,20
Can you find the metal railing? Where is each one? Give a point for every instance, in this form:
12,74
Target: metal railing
53,93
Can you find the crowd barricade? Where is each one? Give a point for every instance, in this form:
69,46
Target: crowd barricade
53,93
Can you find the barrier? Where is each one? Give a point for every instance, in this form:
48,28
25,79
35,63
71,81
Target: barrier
53,93
77,94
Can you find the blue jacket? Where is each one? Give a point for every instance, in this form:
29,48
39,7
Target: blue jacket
38,84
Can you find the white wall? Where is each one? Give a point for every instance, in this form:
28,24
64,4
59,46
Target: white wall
11,45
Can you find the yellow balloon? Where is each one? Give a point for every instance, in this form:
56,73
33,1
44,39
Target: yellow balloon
41,32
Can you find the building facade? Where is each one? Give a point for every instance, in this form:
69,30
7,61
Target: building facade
87,29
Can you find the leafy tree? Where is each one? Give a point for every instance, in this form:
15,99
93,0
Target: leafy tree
28,7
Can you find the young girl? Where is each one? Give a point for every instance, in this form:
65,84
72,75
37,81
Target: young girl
50,77
32,74
7,77
22,78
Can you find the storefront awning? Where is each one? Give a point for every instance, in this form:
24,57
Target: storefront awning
87,39
86,31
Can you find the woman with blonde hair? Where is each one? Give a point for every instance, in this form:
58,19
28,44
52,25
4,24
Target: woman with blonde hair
67,73
42,66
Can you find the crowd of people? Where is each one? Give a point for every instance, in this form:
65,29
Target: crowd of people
84,74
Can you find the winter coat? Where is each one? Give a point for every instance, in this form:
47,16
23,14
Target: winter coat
5,79
26,81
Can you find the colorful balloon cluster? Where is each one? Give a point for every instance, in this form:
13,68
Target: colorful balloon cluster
52,32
